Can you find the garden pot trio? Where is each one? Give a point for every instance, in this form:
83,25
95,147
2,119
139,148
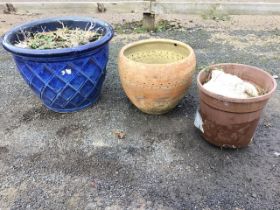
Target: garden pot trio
155,75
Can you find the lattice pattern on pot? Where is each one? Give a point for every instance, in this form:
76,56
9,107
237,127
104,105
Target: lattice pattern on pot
66,85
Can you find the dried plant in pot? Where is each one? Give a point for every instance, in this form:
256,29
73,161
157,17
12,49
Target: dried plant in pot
231,122
63,59
156,73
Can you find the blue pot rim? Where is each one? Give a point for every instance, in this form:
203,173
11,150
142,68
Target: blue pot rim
57,52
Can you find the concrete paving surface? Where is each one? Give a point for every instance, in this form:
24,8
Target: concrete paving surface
75,161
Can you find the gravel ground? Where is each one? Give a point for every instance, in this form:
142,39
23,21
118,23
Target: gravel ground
75,161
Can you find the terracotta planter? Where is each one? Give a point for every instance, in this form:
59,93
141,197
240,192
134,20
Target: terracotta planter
229,122
156,73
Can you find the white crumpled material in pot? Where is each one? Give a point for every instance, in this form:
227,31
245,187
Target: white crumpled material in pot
230,86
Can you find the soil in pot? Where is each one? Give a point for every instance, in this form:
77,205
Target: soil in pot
63,37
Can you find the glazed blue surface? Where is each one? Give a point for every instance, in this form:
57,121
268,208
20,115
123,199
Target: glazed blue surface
67,79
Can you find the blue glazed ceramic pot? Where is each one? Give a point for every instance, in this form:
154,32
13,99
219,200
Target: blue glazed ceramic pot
66,79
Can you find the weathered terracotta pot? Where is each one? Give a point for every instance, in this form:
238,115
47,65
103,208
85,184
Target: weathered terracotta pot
229,122
156,73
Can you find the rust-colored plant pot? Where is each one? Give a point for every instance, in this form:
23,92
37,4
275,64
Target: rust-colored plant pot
156,73
229,122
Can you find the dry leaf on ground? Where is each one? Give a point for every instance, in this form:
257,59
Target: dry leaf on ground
120,134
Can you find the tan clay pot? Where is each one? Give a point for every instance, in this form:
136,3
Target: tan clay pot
229,122
156,73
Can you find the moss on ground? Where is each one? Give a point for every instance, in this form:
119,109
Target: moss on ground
215,14
137,27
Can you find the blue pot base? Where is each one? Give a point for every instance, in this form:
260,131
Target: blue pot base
76,109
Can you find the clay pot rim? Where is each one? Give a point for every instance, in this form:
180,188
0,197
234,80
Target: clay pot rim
157,40
236,100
